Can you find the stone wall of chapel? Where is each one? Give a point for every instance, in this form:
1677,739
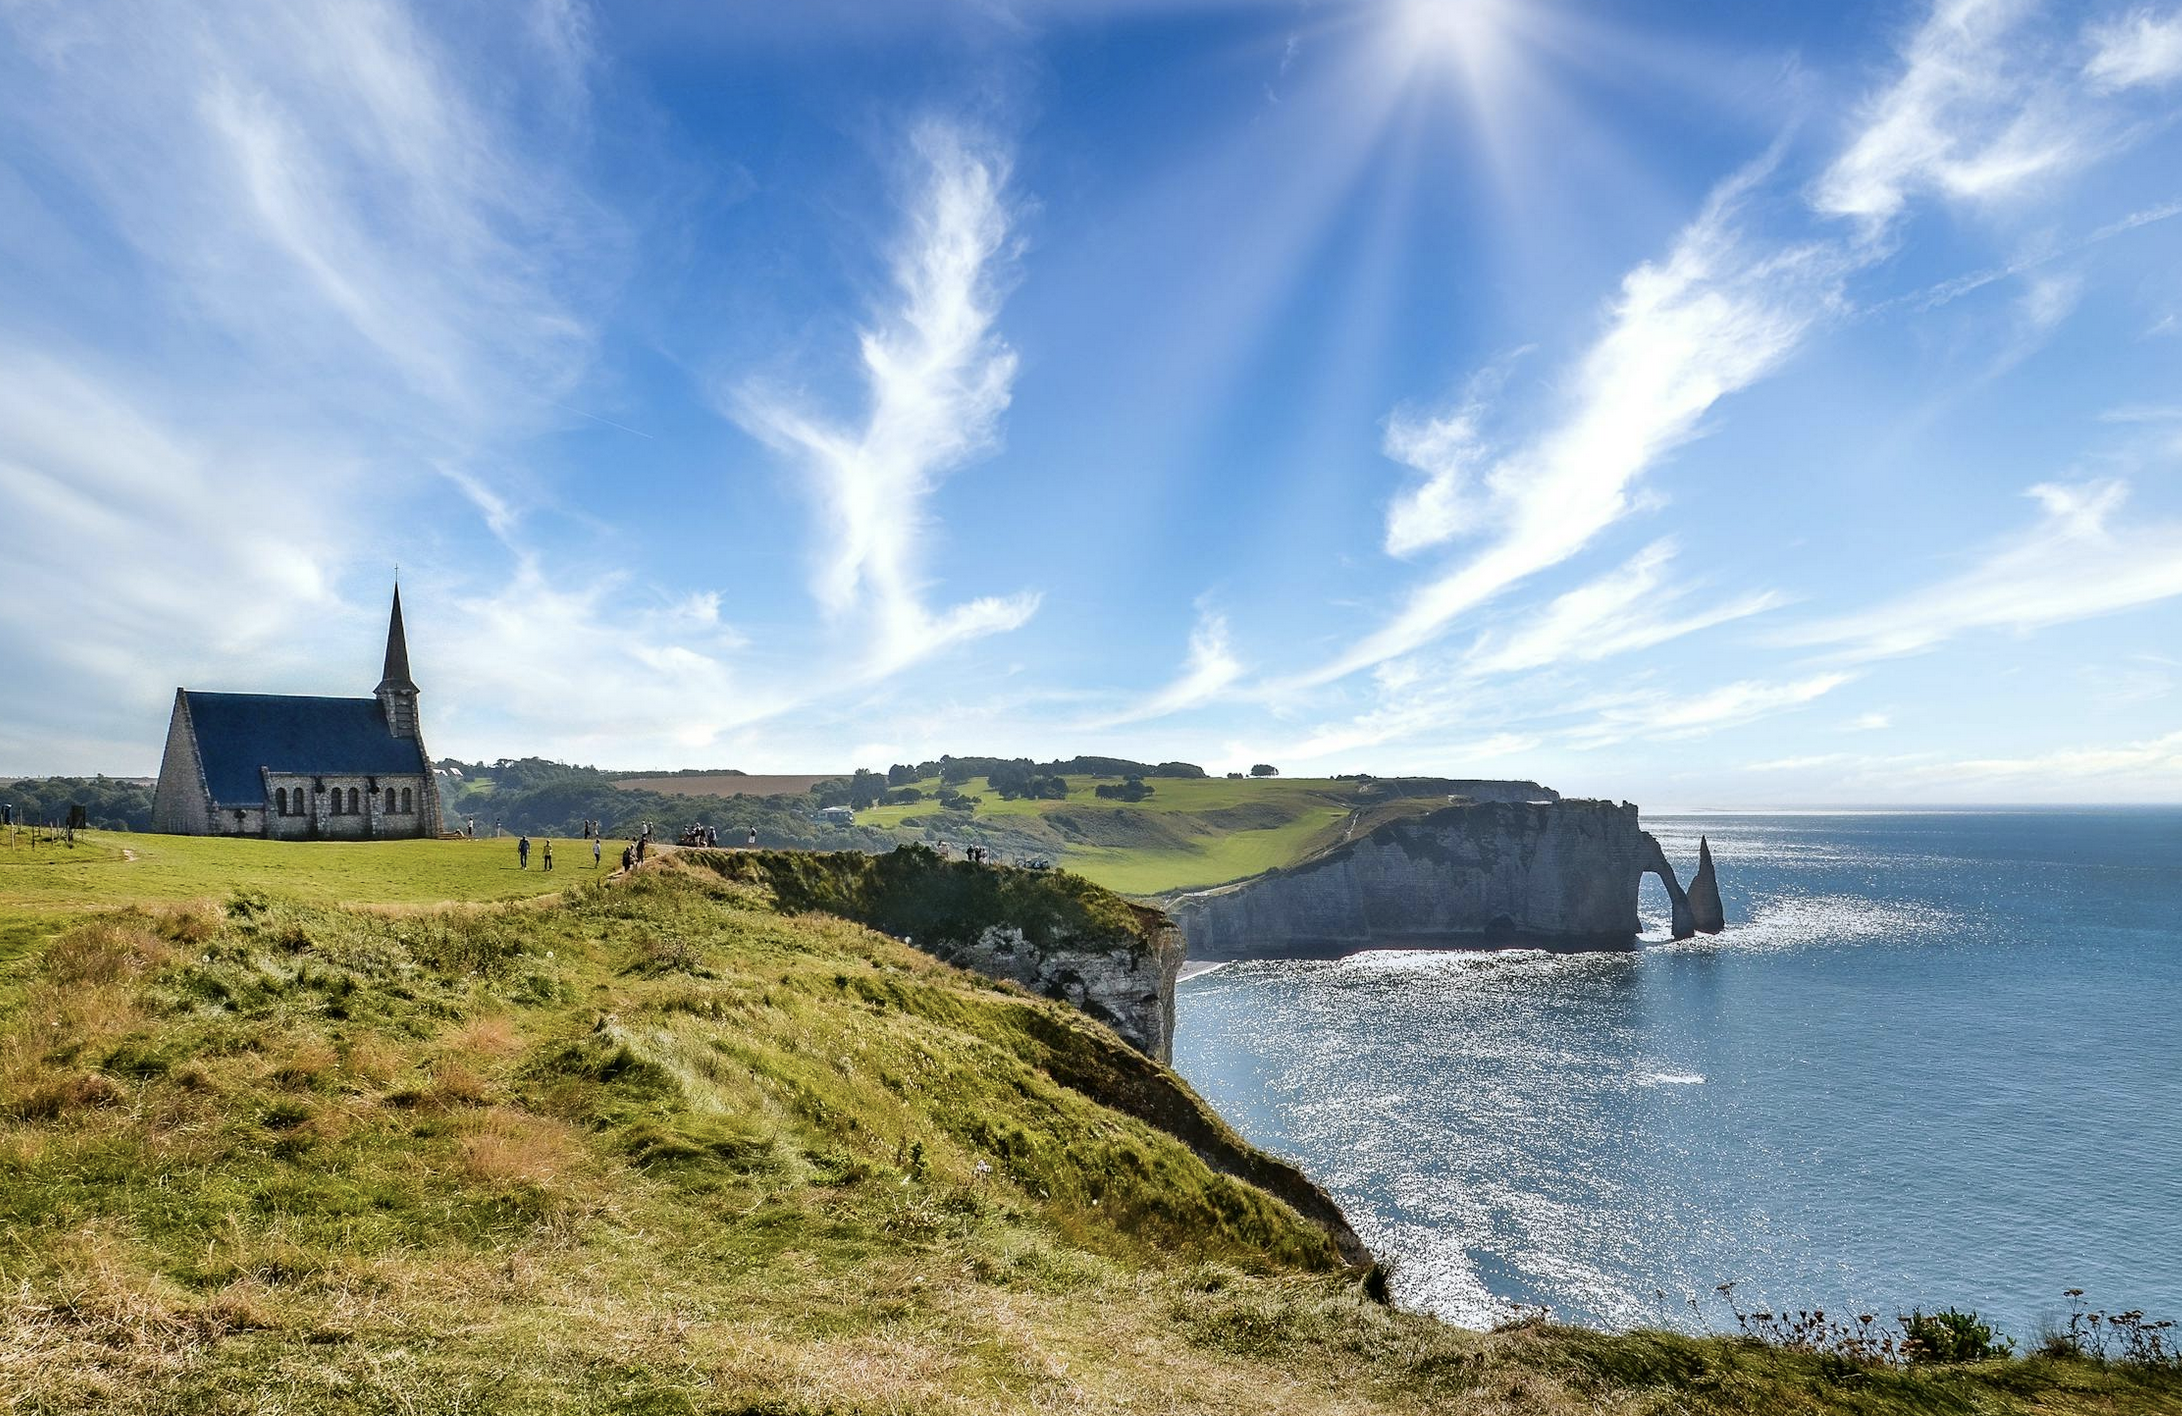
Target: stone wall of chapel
179,802
316,818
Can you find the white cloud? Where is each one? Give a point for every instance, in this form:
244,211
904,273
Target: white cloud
1713,317
319,253
1631,608
592,670
1448,503
1802,764
2156,762
2141,48
1868,723
1969,117
1212,668
1658,714
2077,561
102,490
938,378
331,188
2145,770
2048,300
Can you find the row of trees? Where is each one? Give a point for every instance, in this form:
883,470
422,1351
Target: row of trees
546,798
1018,771
109,803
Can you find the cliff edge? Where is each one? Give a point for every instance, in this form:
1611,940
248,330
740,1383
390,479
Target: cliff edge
1055,933
1555,870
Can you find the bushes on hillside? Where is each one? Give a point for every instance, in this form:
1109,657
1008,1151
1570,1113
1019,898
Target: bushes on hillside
1020,779
1135,789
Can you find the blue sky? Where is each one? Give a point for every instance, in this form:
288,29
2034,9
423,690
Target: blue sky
1703,404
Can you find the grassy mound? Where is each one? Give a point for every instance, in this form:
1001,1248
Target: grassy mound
663,1148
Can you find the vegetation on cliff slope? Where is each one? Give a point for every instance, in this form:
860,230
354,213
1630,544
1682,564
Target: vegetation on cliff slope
914,893
663,1148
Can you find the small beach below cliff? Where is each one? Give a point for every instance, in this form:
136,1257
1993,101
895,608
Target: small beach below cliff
1931,1061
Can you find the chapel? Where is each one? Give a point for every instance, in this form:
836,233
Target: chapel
300,768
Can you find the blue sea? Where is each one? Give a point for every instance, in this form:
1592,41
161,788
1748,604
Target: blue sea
1936,1059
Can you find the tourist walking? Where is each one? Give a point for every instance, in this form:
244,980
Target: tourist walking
522,853
628,857
549,855
596,846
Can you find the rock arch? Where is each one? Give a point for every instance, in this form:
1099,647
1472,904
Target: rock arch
1655,862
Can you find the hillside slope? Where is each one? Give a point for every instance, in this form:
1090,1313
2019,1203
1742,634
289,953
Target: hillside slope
1188,833
662,1148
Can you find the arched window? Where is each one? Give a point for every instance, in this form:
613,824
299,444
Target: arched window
408,804
390,801
280,800
333,804
356,802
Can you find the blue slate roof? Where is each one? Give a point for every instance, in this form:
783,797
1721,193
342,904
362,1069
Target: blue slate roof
238,733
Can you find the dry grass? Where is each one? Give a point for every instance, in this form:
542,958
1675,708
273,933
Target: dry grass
504,1146
493,1036
317,1160
105,952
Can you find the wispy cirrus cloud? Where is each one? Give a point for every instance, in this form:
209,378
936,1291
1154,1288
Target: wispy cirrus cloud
1973,112
1659,714
1715,315
1632,607
1971,115
266,267
2142,48
335,191
2079,559
2146,769
607,667
1210,670
938,376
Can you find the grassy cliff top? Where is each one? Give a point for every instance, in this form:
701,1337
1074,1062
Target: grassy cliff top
664,1148
1191,831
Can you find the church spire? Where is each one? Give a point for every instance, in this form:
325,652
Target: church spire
396,675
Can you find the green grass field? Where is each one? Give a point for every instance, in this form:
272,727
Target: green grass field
662,1148
107,868
1192,831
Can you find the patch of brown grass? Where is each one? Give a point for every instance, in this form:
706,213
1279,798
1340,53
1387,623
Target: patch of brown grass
49,1098
189,922
373,1060
491,1036
305,1066
504,1146
104,952
453,1086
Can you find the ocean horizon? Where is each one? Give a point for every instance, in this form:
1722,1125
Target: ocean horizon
1933,1061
